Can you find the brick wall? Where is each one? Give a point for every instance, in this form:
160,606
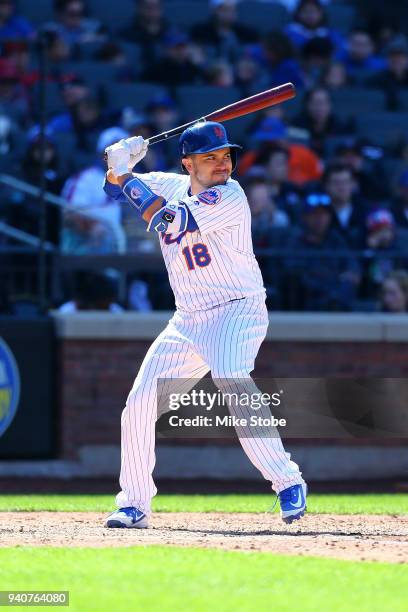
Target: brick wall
95,376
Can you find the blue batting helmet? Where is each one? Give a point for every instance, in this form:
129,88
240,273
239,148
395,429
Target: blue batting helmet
204,137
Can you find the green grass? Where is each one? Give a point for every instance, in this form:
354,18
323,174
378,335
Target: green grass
115,580
339,504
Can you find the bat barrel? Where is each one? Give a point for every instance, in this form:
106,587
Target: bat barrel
267,98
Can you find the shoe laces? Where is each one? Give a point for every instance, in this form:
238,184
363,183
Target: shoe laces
284,496
272,508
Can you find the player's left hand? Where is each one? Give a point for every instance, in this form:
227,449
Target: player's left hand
118,157
138,149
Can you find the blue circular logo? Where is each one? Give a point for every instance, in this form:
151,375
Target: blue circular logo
9,387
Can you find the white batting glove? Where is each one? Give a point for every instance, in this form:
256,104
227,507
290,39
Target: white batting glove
118,157
138,148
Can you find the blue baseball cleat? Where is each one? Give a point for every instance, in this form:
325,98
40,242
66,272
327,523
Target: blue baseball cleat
293,503
127,517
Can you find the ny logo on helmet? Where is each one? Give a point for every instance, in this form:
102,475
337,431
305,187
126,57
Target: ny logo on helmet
219,132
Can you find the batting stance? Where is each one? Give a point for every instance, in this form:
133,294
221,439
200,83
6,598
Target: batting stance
204,225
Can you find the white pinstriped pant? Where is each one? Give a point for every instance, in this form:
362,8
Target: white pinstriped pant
225,340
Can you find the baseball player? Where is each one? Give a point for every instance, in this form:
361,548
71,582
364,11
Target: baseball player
204,226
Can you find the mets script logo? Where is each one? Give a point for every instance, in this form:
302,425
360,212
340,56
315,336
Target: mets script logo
219,132
211,196
9,387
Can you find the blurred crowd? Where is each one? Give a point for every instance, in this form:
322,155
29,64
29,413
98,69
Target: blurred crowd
326,174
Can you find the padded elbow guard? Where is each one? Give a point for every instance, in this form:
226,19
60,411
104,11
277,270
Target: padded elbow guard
173,218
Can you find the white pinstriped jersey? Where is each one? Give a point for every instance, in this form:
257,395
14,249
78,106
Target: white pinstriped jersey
216,263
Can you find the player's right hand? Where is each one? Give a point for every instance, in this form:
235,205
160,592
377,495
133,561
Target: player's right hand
118,157
138,148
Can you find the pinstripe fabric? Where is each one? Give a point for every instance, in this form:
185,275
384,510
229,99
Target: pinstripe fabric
224,230
225,340
219,325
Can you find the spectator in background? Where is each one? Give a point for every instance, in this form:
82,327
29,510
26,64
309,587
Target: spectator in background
25,214
57,48
394,77
309,21
371,183
291,5
31,167
84,117
18,53
304,165
163,113
270,229
112,53
320,282
348,213
223,35
277,64
12,26
57,53
178,65
265,213
286,195
74,27
137,124
388,249
248,75
73,91
11,143
148,28
382,25
138,296
93,291
400,202
394,292
359,57
316,58
103,233
319,119
220,74
14,100
335,77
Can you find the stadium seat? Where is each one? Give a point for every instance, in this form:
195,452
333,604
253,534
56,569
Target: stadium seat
136,95
198,100
133,54
36,12
113,17
264,17
185,14
341,16
403,100
66,146
383,128
293,107
94,73
393,169
352,101
238,128
53,99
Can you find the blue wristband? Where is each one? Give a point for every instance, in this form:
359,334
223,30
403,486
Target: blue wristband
139,194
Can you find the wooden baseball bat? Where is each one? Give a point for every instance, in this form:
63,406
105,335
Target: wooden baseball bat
264,99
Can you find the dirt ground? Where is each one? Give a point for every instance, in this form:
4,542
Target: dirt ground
355,537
